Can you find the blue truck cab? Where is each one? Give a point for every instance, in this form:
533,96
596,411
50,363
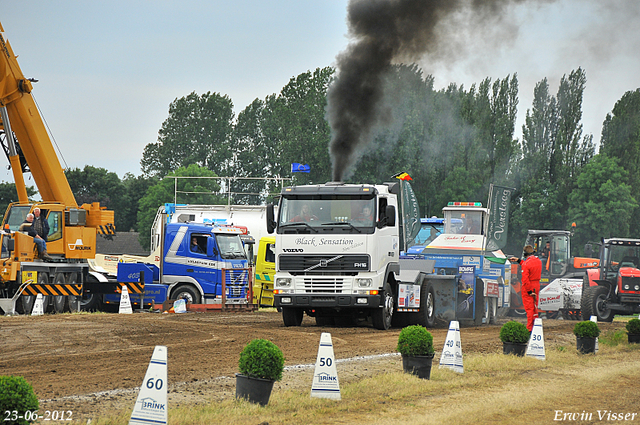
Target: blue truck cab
202,263
200,259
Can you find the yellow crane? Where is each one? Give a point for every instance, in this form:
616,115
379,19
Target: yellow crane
73,228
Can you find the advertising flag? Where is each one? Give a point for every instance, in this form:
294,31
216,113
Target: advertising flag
499,201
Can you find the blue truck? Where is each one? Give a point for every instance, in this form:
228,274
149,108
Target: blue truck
201,263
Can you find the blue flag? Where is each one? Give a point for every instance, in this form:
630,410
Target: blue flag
300,168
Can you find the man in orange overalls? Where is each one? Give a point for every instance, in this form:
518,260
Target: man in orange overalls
531,268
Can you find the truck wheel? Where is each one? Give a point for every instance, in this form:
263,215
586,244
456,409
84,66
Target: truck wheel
478,300
596,298
60,302
86,302
43,279
490,310
427,314
25,303
187,292
292,316
381,317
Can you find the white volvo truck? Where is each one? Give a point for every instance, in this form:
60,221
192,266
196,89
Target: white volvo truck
338,257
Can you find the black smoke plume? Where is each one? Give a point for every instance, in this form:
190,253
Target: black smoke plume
384,32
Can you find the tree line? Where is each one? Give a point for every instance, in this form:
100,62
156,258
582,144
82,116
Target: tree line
453,142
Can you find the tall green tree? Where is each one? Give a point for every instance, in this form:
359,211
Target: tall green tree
198,187
554,151
285,128
135,188
197,131
94,184
621,140
601,204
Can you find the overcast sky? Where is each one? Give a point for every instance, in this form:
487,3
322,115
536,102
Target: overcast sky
108,70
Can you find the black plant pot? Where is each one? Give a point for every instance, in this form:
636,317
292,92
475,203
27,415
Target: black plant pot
418,365
586,345
515,348
254,390
634,338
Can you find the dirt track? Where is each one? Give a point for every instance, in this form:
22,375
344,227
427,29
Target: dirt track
91,364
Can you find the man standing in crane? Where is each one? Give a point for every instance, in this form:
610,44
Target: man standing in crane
531,269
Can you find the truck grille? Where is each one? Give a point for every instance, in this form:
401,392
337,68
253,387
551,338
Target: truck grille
315,285
323,264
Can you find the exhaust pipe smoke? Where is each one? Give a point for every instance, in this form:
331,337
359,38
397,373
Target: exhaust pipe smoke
384,32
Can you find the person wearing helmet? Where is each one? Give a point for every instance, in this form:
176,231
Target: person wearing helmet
531,268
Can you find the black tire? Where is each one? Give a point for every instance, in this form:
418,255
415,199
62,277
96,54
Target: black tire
518,312
47,306
381,317
490,310
188,293
292,316
60,302
324,321
427,314
583,297
24,304
478,299
87,302
595,298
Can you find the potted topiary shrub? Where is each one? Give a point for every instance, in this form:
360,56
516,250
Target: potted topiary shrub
514,336
586,333
261,364
415,343
633,331
18,401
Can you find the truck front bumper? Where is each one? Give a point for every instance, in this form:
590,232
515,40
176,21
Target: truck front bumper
327,301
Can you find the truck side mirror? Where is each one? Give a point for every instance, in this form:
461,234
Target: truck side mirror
271,223
390,215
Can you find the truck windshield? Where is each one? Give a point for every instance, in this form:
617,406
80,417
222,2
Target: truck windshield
464,222
16,216
230,247
428,232
349,213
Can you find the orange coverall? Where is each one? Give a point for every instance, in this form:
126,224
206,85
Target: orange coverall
531,269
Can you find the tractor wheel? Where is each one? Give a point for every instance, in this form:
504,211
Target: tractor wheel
381,317
292,316
596,297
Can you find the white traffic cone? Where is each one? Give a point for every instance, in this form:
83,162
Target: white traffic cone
535,348
125,302
325,377
151,405
38,307
452,352
594,319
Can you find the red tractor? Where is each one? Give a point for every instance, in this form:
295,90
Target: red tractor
614,287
